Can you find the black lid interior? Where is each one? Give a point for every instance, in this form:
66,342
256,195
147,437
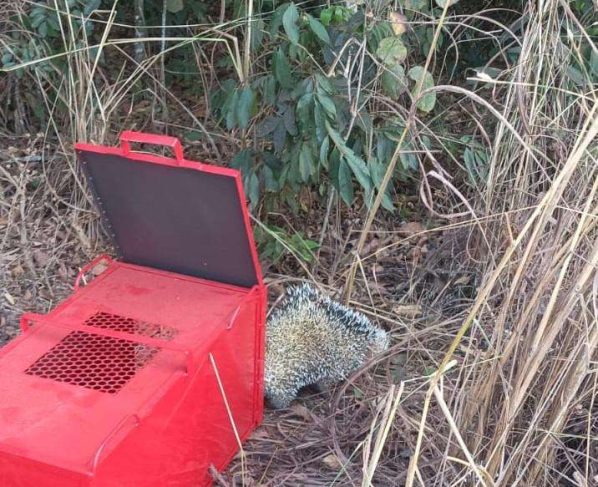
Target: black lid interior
173,218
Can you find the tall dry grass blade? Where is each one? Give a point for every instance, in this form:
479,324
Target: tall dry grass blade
483,477
229,413
371,458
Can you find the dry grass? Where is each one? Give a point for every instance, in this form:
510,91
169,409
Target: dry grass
526,348
491,378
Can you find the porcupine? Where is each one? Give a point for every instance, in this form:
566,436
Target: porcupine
313,340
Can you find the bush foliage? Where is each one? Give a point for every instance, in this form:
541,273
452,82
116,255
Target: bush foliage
317,101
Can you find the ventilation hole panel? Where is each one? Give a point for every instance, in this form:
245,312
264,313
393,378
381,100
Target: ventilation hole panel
101,363
125,324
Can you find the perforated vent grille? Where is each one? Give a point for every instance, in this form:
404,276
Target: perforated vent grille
125,324
97,362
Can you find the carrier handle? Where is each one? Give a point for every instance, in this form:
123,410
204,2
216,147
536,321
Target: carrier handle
89,266
129,136
127,424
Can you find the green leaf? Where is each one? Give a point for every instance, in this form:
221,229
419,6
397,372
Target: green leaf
253,189
230,109
43,29
429,371
305,162
289,23
267,126
279,138
303,247
6,58
394,81
304,111
257,34
174,6
53,22
243,161
270,181
38,12
476,163
37,21
576,76
391,51
379,31
427,102
304,86
355,162
326,16
345,184
417,5
327,104
360,170
192,136
324,152
291,156
469,160
324,84
364,121
377,171
594,62
342,14
245,106
289,120
318,29
282,69
296,53
408,158
276,19
387,202
269,90
90,6
319,121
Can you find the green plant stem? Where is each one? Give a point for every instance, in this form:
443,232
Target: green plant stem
393,162
247,53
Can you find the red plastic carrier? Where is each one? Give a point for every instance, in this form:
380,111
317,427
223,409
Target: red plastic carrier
154,370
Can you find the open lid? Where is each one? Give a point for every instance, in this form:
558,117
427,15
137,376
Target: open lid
173,214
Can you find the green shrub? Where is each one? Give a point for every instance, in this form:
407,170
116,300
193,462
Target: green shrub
41,30
315,110
274,242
